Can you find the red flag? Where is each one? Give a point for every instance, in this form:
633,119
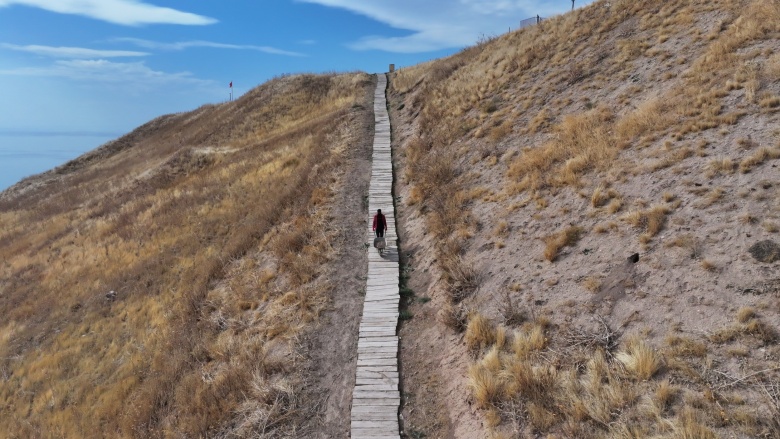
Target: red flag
231,84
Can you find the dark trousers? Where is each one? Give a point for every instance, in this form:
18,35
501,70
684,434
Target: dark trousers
380,233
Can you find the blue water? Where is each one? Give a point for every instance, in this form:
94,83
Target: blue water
23,155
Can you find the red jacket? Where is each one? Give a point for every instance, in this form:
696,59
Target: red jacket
379,220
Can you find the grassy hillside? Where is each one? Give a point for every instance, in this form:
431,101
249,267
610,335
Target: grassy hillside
534,164
165,284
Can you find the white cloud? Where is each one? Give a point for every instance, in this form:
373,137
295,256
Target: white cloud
133,74
71,52
442,24
155,45
124,12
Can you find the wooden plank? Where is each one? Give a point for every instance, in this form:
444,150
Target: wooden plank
376,425
365,357
375,394
365,361
377,354
389,404
369,328
381,427
379,341
392,383
378,369
374,345
384,415
376,334
389,375
359,433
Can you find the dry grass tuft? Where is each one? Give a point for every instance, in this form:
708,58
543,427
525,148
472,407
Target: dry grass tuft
484,384
557,241
685,347
480,333
748,324
688,242
720,166
665,394
511,311
708,265
461,278
762,155
606,227
689,426
770,226
650,221
502,229
529,340
453,316
640,359
745,313
592,283
602,195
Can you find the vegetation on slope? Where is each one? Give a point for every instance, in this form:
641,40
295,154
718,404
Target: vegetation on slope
160,285
623,125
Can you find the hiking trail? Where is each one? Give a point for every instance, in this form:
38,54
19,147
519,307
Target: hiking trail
376,397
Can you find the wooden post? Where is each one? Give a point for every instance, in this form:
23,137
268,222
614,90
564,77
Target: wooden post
392,68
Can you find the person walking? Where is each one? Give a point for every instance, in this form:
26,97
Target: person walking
380,224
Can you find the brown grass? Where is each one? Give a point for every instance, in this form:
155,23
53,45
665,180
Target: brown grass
591,283
597,94
453,316
480,333
640,359
760,156
749,324
770,226
557,241
708,265
582,144
461,278
650,221
745,314
193,220
689,243
679,346
602,195
586,392
720,166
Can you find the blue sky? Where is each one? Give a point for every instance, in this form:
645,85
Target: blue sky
77,73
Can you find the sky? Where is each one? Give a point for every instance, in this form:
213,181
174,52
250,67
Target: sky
77,73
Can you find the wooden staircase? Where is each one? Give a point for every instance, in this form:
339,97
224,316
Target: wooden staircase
376,398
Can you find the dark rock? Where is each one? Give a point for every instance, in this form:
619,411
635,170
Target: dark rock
765,251
634,258
111,295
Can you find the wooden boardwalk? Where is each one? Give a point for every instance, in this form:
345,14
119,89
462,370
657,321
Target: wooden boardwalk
376,397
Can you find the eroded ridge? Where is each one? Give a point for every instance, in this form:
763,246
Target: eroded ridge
376,397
